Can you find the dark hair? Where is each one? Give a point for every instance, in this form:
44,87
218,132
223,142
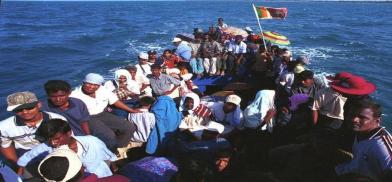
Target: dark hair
151,52
131,67
147,100
49,128
57,85
156,66
192,170
168,50
56,167
224,153
220,19
368,104
306,74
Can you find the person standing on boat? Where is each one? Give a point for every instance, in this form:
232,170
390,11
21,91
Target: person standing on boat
372,148
237,51
162,84
143,66
111,129
221,24
210,51
196,59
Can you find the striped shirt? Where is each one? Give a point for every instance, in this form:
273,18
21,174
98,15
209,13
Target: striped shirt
372,156
13,129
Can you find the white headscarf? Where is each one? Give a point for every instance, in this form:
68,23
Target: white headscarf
256,111
122,72
196,101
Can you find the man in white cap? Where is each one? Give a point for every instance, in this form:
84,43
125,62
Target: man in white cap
18,132
111,129
143,66
228,113
182,49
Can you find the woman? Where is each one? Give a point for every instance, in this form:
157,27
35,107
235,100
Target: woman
126,89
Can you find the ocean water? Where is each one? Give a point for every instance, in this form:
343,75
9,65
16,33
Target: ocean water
66,40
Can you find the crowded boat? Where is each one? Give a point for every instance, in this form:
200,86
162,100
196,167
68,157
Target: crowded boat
224,105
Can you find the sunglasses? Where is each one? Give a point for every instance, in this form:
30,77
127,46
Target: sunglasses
28,108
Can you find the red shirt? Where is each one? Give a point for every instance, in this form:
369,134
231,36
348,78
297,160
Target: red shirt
171,62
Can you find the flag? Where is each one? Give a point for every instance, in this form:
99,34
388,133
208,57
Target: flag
270,13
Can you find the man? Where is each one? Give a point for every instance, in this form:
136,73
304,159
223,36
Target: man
152,57
196,60
228,113
143,66
111,129
18,131
73,109
328,105
372,148
162,84
182,49
57,134
65,165
144,122
221,24
210,50
306,84
237,50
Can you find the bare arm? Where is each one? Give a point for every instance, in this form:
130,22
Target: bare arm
85,128
124,107
315,117
10,154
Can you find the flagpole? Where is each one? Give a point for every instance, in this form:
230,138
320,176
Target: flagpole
261,29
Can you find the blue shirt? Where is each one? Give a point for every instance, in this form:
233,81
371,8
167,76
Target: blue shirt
76,113
91,151
184,51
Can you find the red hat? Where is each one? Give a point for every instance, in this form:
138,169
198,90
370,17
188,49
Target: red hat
341,75
354,85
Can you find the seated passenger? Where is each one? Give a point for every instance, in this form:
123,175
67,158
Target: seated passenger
17,133
259,114
73,109
57,134
123,86
65,165
142,81
372,148
170,60
143,122
228,113
111,129
143,66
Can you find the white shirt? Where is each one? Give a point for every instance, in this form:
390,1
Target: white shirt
103,98
145,69
14,130
144,122
234,118
132,86
91,151
237,49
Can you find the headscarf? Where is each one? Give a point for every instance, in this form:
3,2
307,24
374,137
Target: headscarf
196,101
122,72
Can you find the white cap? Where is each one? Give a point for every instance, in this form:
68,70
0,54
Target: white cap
248,29
176,39
186,76
74,163
94,78
143,55
235,99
